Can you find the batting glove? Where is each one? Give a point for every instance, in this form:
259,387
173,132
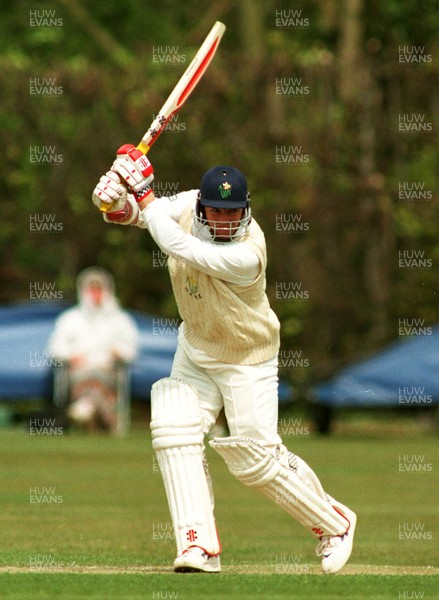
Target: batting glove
127,215
121,206
133,167
110,191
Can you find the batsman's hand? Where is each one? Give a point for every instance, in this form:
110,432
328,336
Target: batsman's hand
133,167
110,192
119,205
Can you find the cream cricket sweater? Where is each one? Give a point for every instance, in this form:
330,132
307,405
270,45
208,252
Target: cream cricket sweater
232,323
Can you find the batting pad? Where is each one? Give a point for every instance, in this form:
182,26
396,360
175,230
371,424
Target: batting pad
305,474
255,467
177,439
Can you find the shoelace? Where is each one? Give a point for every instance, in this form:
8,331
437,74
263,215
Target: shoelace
327,543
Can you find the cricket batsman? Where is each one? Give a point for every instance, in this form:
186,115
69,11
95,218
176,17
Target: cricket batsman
226,356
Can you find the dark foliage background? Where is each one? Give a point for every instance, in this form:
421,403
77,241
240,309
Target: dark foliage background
325,154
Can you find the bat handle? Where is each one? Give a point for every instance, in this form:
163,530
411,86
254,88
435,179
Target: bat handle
143,147
105,207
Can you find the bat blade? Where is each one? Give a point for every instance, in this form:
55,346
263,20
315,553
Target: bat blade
181,91
184,87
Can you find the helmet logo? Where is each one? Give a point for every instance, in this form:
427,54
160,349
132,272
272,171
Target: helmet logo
225,190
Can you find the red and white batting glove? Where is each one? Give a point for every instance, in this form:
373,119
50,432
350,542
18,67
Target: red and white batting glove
133,167
122,205
110,191
128,215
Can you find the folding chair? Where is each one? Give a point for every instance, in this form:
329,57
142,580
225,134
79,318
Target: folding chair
123,394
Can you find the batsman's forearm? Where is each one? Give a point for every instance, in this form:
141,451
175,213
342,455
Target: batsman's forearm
216,260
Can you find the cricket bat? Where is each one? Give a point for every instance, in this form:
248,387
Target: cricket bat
182,90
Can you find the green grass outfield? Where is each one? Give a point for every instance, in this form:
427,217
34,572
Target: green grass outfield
86,517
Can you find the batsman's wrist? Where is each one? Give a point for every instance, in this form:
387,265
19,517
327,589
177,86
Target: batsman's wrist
146,199
143,194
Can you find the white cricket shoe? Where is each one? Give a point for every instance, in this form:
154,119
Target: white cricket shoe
336,550
195,560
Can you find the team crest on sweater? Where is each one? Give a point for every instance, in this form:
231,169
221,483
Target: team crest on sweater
192,287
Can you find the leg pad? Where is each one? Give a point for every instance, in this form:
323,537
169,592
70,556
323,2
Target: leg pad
253,465
177,435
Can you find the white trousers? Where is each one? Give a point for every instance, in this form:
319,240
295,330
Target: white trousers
249,396
249,393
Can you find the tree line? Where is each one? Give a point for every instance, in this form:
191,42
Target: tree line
330,108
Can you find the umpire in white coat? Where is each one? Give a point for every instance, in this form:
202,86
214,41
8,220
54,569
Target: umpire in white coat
92,339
